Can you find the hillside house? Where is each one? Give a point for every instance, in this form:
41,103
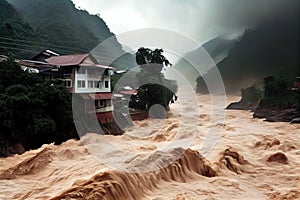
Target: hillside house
42,56
82,74
39,67
37,64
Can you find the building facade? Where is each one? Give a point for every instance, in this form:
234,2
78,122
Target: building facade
82,75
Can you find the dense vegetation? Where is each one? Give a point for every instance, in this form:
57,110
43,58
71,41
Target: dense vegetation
17,37
274,93
28,27
154,87
253,94
33,111
62,24
277,94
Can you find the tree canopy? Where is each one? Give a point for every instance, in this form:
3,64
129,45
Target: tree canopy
154,87
33,111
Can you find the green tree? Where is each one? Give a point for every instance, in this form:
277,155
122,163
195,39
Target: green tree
33,111
277,93
155,88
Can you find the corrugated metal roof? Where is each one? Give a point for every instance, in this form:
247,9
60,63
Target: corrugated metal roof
67,60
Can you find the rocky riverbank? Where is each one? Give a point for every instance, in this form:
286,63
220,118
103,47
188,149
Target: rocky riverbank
270,114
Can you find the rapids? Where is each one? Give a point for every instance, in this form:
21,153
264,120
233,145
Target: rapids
166,159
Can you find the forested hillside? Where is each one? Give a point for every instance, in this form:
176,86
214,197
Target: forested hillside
269,49
33,111
57,25
17,37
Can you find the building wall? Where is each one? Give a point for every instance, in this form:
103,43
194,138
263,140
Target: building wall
103,105
94,79
68,79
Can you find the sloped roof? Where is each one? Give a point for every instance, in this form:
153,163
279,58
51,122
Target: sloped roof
41,66
97,96
67,60
128,92
44,55
101,96
32,63
96,65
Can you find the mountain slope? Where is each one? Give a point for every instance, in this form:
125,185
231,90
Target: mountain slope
269,49
67,29
14,33
217,49
59,21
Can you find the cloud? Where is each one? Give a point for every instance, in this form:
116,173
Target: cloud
198,19
234,14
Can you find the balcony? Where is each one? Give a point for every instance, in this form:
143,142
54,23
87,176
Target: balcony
104,109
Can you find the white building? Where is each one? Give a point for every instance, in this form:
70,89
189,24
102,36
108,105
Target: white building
83,75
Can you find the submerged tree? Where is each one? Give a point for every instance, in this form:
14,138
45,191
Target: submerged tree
155,88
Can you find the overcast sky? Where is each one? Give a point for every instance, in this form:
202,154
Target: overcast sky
199,19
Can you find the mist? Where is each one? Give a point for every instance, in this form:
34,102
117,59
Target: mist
200,20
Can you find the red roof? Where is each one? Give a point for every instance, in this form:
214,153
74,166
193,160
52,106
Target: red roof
67,60
101,96
95,65
128,92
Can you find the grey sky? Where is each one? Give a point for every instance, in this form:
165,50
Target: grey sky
198,19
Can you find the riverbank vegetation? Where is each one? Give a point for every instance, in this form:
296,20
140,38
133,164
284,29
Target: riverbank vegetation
33,111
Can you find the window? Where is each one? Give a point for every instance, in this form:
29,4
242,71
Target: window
90,84
108,102
97,84
80,84
100,103
106,83
68,83
103,103
82,70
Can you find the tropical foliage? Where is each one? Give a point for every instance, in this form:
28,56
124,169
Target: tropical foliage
252,94
154,87
278,94
33,111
